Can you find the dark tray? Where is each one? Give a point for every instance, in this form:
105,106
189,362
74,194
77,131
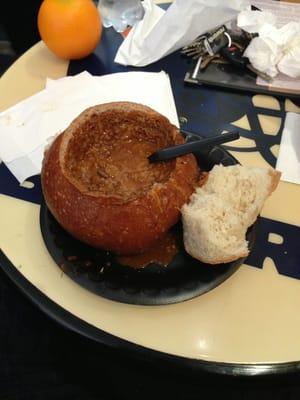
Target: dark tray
227,76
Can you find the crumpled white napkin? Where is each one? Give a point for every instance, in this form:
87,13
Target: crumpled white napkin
252,20
288,161
161,33
275,49
27,127
290,62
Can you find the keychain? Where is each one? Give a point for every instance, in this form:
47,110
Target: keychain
218,46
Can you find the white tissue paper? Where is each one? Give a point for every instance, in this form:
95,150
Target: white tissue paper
288,161
290,62
28,127
275,49
161,33
252,21
264,54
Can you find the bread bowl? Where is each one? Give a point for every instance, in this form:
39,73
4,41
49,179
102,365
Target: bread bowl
99,185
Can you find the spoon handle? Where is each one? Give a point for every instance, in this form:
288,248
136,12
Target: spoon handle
191,147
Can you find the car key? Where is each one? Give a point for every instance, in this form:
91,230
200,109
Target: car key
235,57
195,49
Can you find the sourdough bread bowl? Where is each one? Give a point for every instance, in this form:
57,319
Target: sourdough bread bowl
99,185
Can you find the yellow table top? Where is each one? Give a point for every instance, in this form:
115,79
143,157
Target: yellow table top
252,317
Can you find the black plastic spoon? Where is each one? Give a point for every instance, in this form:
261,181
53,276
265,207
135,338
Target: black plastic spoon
191,147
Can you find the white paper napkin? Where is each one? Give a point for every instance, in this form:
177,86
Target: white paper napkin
159,33
277,48
252,21
27,127
288,161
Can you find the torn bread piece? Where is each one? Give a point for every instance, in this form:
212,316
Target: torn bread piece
216,219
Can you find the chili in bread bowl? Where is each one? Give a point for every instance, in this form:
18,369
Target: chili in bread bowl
99,185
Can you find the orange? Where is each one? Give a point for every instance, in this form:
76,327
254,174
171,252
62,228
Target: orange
71,29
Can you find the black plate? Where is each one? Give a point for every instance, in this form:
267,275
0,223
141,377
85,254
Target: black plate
99,271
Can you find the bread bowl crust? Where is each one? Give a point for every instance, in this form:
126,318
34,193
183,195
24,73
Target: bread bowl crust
104,221
201,251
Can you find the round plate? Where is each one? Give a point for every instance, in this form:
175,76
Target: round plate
100,271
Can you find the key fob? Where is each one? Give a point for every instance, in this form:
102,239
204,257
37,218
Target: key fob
216,40
235,57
